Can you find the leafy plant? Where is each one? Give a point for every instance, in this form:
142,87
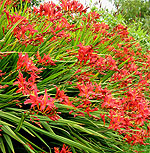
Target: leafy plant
135,10
68,78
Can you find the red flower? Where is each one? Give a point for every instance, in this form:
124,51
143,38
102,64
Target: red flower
26,87
65,149
22,84
84,53
86,90
43,104
72,6
64,99
34,100
103,118
46,59
47,102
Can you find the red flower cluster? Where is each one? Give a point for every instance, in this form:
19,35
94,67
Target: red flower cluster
64,99
14,3
55,15
20,31
26,87
89,91
49,9
84,53
121,30
24,63
103,64
128,113
72,6
46,59
64,149
43,104
92,16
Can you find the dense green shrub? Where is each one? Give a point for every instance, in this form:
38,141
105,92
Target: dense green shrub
135,10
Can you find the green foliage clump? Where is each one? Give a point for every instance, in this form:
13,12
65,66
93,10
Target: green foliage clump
135,10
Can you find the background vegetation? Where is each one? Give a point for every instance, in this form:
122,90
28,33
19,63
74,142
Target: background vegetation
135,11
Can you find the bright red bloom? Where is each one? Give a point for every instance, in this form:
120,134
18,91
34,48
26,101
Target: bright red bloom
92,16
26,87
86,90
23,26
24,62
121,30
103,118
24,31
51,10
34,100
44,104
46,59
72,6
84,53
102,64
64,99
22,84
64,149
47,102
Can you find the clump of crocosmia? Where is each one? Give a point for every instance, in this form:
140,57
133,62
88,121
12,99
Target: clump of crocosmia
43,104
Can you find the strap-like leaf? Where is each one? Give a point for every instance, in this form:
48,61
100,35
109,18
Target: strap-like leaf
9,142
2,147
